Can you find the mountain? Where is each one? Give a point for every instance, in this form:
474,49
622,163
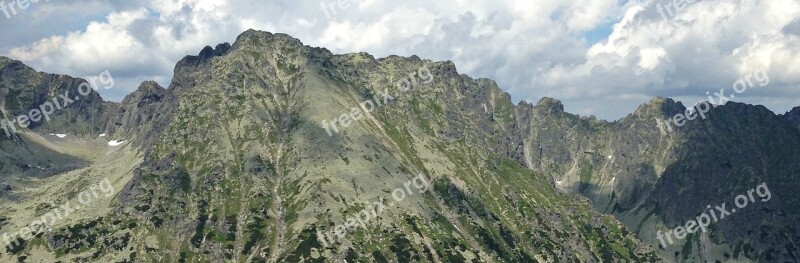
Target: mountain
793,117
654,180
268,150
61,109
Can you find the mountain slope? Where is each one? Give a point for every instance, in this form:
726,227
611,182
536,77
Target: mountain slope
654,180
793,117
236,165
24,91
268,150
246,147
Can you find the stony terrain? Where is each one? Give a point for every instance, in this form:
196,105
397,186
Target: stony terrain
233,162
654,181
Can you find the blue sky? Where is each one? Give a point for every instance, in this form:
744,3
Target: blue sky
600,57
599,33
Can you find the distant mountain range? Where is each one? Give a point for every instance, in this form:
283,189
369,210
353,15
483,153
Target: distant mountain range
268,150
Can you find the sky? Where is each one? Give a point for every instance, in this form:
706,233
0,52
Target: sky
599,57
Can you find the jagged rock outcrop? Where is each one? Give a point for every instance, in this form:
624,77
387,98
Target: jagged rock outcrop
238,166
653,177
793,117
143,115
24,89
263,150
26,94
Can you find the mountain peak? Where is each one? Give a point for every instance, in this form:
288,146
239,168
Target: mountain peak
793,117
795,112
7,63
205,54
233,164
148,92
150,87
660,107
550,105
257,37
220,50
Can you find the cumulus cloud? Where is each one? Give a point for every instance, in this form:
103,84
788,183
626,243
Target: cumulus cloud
532,49
703,47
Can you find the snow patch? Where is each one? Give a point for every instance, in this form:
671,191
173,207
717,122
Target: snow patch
610,156
59,135
558,182
115,143
103,135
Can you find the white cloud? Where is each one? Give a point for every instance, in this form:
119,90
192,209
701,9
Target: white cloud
532,49
39,50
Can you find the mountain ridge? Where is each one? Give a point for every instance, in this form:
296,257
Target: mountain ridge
236,118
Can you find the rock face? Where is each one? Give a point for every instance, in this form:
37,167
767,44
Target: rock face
245,170
793,117
655,180
146,112
268,150
24,90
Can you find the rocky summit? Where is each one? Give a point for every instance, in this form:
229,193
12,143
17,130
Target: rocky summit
268,150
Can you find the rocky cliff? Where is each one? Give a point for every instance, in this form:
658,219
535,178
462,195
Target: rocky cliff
268,150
